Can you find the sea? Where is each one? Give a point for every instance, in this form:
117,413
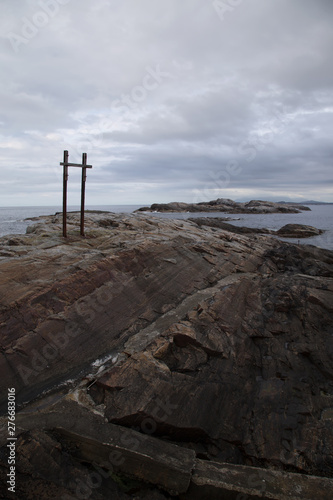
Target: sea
13,219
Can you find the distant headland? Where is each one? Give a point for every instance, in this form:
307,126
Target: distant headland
229,206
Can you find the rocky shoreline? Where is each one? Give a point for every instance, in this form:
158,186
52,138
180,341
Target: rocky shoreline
228,206
166,359
287,231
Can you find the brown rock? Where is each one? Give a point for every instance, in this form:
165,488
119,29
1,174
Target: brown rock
217,342
232,369
298,231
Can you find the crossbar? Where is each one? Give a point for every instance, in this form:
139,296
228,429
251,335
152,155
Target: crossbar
75,165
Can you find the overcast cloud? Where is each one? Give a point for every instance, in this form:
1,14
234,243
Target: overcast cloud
173,100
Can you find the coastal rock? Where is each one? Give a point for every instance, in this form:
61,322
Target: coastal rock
287,231
259,206
219,344
56,458
243,374
227,205
218,223
59,295
298,231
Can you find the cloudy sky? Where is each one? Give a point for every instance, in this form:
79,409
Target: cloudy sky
173,100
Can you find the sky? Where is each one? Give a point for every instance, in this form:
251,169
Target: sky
172,100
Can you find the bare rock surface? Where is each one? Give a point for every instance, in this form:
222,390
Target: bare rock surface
152,334
287,231
227,205
298,231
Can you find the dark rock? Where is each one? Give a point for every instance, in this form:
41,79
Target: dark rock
228,375
57,459
287,231
135,455
213,342
218,223
213,481
298,231
226,205
44,469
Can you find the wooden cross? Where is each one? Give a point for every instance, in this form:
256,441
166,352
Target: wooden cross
84,167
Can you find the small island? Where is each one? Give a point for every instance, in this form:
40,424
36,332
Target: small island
228,206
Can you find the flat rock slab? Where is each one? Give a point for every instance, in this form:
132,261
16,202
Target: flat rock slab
138,455
142,339
113,447
89,439
215,481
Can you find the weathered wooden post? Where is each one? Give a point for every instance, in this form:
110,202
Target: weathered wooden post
83,188
84,167
64,196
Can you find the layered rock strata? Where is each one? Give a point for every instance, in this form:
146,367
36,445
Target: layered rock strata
153,334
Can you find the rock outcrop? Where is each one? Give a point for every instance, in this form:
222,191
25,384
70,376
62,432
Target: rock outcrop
226,205
157,345
298,231
287,231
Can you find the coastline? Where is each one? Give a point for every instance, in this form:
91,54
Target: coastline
12,220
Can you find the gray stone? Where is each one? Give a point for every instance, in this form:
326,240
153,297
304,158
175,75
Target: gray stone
213,481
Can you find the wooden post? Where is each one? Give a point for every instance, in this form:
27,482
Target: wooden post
64,198
84,167
83,187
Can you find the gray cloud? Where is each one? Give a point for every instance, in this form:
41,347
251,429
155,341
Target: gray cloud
171,100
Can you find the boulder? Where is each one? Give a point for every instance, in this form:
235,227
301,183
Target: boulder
298,231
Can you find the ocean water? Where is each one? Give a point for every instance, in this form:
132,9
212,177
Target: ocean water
12,219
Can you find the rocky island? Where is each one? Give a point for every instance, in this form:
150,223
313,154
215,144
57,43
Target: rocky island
159,359
228,206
